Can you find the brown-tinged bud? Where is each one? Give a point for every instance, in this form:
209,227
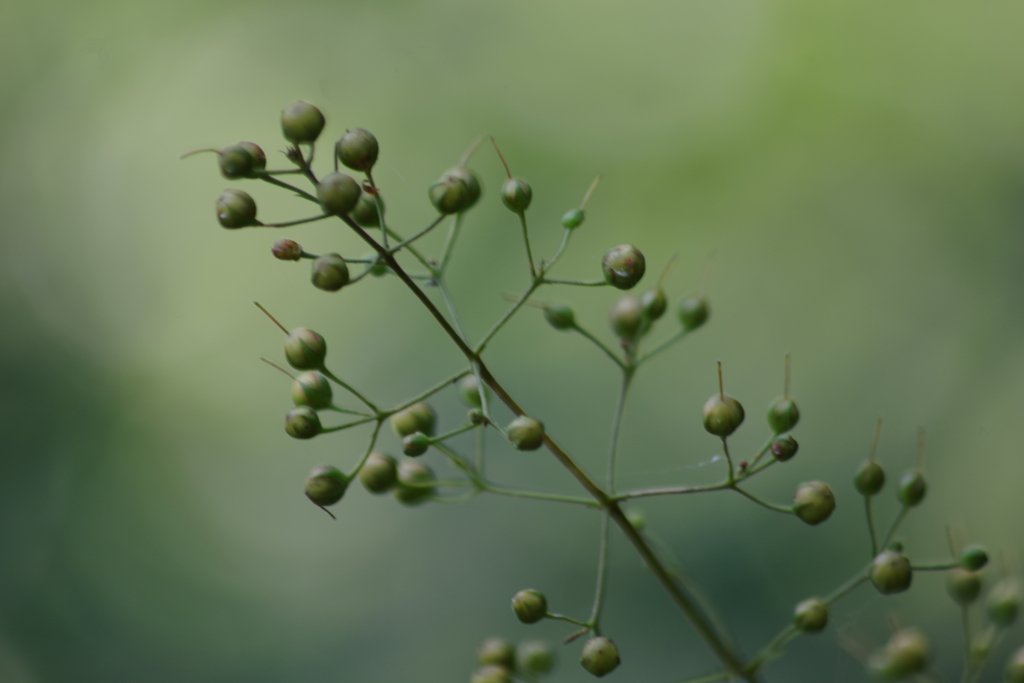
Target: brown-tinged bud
302,423
326,485
814,502
236,209
516,194
472,181
287,250
891,572
811,616
783,447
301,122
415,444
525,433
529,605
358,149
449,195
379,473
722,415
338,193
305,349
600,656
312,389
623,266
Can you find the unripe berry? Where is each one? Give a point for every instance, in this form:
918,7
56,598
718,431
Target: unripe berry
811,616
472,181
302,423
305,349
693,312
529,605
312,389
814,502
525,433
242,160
1015,668
491,674
415,444
722,415
783,447
301,122
364,213
469,391
449,195
600,656
259,159
330,272
535,657
236,209
904,655
560,316
783,415
476,416
1004,602
379,474
973,557
963,585
891,572
625,317
654,303
358,149
412,477
573,219
911,488
338,193
870,478
497,652
287,250
419,417
516,194
326,485
623,266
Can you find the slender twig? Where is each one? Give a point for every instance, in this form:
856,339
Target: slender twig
280,183
449,243
347,425
369,448
577,283
671,491
421,233
347,387
300,221
895,526
763,503
661,347
936,567
429,392
599,344
871,525
504,319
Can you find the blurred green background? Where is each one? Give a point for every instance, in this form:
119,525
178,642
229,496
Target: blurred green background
853,171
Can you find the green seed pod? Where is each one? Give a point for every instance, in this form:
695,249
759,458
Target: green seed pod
693,312
560,316
412,479
358,149
449,195
911,488
891,572
1004,602
530,606
637,519
469,390
338,193
980,647
573,218
312,389
625,317
973,557
600,656
783,447
326,485
814,502
535,657
287,250
491,674
525,433
305,349
516,194
472,182
722,415
259,159
783,415
1015,668
378,268
654,303
963,585
301,122
415,444
330,272
242,160
379,473
904,655
475,416
419,417
302,423
364,213
623,266
236,209
811,616
497,652
870,478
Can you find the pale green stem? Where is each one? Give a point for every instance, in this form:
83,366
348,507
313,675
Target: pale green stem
599,344
429,392
369,449
526,241
545,267
281,183
300,221
330,375
505,318
871,526
577,283
728,459
418,235
895,526
760,453
770,506
449,243
347,425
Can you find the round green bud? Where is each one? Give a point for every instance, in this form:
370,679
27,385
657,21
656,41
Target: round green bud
623,266
301,122
259,159
326,485
722,415
236,209
305,349
626,317
600,656
1015,668
693,312
338,193
891,572
475,416
783,415
525,433
449,195
379,473
330,272
560,316
573,218
302,423
472,182
813,502
904,655
529,605
869,479
911,488
358,149
364,213
811,616
973,557
963,585
497,652
516,194
378,268
413,480
243,160
654,303
637,519
491,674
469,391
535,657
1004,602
419,417
415,444
312,389
783,447
287,250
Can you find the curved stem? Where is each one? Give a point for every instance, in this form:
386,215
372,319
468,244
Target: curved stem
281,183
661,347
871,526
369,449
526,240
449,243
895,526
344,385
599,344
762,503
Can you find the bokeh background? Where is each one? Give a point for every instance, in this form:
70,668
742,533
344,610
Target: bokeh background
853,172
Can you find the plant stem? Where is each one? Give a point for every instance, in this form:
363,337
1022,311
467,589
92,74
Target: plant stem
871,526
369,448
526,240
281,183
599,344
429,392
347,425
671,491
770,506
936,567
421,233
344,385
449,243
857,580
661,347
288,224
577,283
895,525
505,318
